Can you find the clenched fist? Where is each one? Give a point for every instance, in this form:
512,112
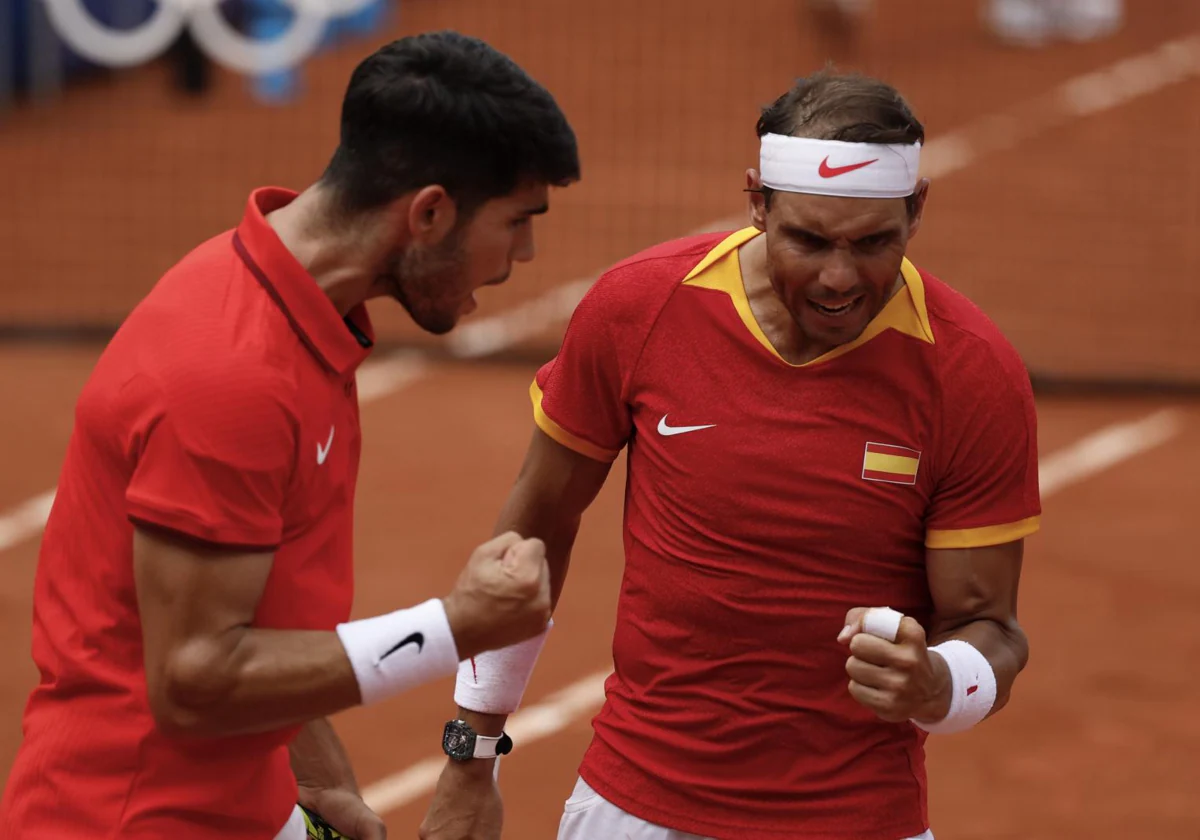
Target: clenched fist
502,596
897,680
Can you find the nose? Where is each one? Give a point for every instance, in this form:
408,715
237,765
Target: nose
523,249
839,274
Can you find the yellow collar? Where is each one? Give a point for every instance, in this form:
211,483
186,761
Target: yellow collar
720,270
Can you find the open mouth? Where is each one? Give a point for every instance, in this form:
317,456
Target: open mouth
839,311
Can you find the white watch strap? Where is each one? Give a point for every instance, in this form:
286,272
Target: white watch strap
485,746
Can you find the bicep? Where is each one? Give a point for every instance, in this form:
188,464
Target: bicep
193,600
970,584
553,489
555,483
214,452
987,490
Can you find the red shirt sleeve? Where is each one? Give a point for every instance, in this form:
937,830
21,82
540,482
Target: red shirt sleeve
579,395
213,452
581,398
987,490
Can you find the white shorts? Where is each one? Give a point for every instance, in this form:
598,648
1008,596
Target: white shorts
294,828
589,816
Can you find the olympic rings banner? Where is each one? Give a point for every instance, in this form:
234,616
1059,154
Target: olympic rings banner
213,33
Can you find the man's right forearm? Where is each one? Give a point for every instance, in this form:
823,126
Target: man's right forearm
558,536
558,558
547,502
484,724
254,680
559,542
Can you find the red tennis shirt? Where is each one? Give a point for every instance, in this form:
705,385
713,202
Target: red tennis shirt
225,410
764,500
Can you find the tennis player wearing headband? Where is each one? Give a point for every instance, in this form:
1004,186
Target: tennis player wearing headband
832,468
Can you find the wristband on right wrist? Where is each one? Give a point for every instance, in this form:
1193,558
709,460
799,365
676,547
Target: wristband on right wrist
398,651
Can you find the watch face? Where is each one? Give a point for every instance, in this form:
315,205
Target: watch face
458,741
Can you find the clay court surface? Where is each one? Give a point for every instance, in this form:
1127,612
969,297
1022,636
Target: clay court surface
1071,218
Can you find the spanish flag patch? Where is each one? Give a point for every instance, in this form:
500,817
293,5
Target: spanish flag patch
893,464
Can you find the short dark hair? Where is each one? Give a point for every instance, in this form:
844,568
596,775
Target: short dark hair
444,108
848,107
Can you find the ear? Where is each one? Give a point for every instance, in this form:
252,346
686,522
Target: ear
431,215
919,197
758,202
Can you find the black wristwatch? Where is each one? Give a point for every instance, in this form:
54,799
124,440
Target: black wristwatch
462,743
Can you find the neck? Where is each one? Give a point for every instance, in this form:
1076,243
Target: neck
344,260
776,322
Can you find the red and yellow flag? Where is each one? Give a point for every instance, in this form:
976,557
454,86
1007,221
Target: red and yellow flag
895,464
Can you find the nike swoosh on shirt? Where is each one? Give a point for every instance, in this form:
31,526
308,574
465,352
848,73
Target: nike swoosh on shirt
827,171
668,431
322,454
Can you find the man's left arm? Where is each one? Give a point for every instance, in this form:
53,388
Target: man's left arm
327,785
975,602
985,501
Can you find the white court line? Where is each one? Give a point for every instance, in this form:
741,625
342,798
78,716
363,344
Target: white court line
25,520
376,379
1106,448
1081,460
1085,95
388,374
550,716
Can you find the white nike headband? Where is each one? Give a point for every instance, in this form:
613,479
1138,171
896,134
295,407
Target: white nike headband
831,167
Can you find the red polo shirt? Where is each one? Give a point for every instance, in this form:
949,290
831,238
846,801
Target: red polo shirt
225,410
764,500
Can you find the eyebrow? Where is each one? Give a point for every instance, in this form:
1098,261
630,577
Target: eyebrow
796,230
540,210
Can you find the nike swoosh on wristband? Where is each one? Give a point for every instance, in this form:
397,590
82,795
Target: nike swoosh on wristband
668,431
827,171
413,638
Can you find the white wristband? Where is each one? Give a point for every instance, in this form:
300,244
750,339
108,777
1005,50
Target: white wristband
494,681
401,650
972,687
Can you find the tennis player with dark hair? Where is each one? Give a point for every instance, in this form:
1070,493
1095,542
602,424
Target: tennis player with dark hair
194,586
832,468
